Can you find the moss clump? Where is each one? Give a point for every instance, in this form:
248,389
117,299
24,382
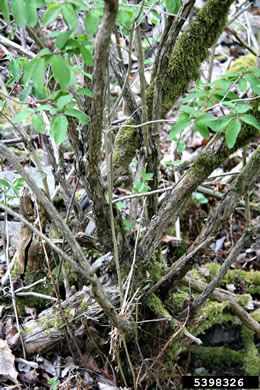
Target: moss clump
251,279
219,356
210,314
155,304
127,142
243,62
251,356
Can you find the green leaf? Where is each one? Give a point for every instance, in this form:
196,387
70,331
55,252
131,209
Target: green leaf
194,95
178,127
205,119
84,91
70,16
60,71
31,11
242,85
25,92
28,70
14,68
120,205
200,198
58,129
5,11
51,13
241,108
232,132
63,100
72,44
38,74
251,120
173,6
4,183
221,123
91,22
203,129
19,12
87,56
18,182
22,115
147,176
38,124
189,110
254,82
77,114
44,107
128,224
181,147
62,39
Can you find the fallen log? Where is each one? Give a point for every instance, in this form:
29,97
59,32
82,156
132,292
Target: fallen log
48,329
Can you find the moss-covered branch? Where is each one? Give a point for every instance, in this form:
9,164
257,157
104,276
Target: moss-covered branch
190,51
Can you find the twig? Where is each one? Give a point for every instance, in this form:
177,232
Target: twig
30,286
5,41
240,40
129,278
143,84
185,259
109,167
35,294
6,249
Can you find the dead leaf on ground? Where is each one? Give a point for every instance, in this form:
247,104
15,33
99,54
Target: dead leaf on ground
204,271
7,367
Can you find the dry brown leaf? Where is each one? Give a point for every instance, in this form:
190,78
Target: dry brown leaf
168,239
204,271
7,367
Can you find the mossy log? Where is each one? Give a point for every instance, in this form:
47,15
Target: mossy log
49,329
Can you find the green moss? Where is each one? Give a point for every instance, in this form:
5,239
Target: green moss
243,62
251,279
219,356
251,356
126,144
256,315
210,314
84,305
155,304
179,299
153,270
190,51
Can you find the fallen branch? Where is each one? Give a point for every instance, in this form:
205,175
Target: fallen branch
236,309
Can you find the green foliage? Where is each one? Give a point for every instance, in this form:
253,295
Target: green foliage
200,198
11,190
206,96
54,382
173,6
58,128
141,186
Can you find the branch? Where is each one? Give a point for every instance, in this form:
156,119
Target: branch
247,177
214,154
190,51
236,309
89,170
79,261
